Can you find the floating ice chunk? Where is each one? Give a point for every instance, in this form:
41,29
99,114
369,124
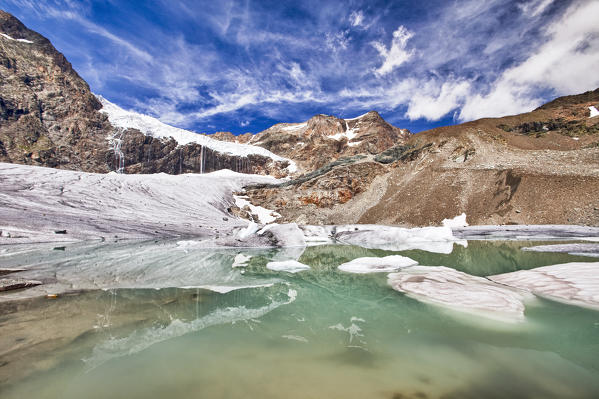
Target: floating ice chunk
572,283
377,265
241,260
458,221
450,288
318,235
290,266
594,112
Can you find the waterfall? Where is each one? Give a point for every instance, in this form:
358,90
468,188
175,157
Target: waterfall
202,160
116,140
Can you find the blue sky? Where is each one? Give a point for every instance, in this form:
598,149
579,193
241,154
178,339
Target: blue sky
242,66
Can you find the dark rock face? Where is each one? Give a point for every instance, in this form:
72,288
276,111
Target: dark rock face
146,154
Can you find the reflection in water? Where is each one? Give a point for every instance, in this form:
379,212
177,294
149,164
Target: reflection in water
318,333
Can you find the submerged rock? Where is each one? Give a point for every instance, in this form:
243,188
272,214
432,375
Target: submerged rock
7,284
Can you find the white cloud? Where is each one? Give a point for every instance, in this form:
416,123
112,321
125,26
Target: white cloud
535,7
356,18
433,102
244,123
396,54
564,63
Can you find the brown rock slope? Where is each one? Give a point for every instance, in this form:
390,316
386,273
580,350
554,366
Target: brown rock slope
540,167
325,138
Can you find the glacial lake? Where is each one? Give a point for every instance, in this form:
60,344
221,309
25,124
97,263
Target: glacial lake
119,327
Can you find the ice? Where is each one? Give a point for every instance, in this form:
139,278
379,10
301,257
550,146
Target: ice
458,221
572,249
440,285
377,265
594,112
527,232
573,283
290,266
251,228
4,35
153,127
38,201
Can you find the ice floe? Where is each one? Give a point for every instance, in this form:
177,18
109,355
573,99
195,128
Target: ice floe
453,289
572,249
527,232
290,266
377,265
573,283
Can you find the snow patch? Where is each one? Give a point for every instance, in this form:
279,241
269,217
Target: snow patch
348,133
594,112
264,215
290,266
295,126
4,35
458,221
377,265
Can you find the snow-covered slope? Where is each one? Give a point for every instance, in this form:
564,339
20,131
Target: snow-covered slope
43,204
153,127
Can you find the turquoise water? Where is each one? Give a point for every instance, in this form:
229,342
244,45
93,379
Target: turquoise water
316,334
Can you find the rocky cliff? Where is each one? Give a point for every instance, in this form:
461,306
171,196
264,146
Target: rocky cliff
325,138
540,167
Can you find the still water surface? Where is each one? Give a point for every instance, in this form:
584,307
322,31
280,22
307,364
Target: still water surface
315,334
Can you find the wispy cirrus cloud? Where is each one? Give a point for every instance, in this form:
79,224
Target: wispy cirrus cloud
224,62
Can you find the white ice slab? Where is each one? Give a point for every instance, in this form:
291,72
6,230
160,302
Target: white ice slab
573,283
290,266
377,265
459,291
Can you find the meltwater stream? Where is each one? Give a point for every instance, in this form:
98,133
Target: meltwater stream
153,320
